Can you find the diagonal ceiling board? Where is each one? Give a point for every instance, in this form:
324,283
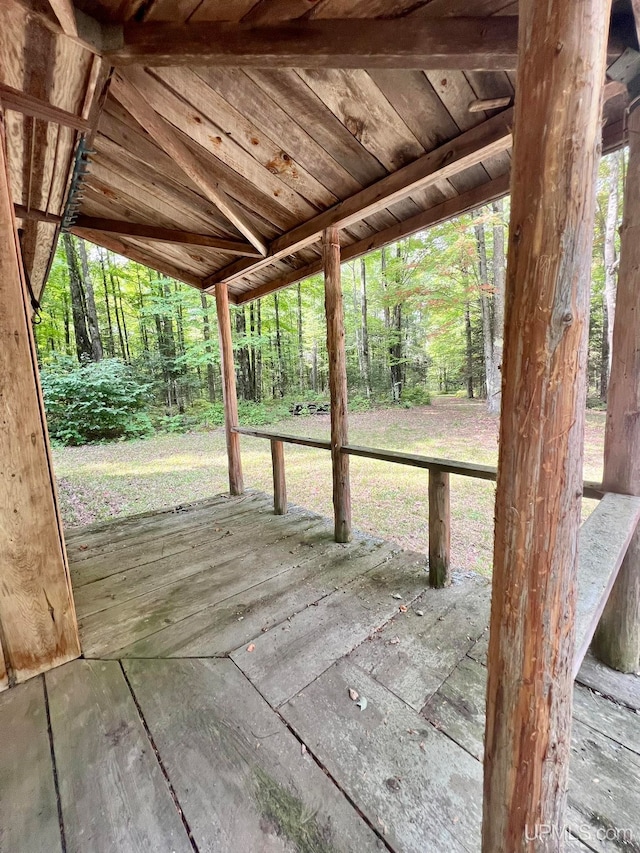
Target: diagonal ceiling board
450,159
480,195
135,103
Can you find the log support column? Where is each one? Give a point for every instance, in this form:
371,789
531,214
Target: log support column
531,647
337,384
37,618
229,396
617,638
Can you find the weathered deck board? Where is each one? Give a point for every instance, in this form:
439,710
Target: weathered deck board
604,775
104,634
241,777
204,554
28,803
412,655
87,548
423,790
322,617
112,791
623,688
223,627
287,658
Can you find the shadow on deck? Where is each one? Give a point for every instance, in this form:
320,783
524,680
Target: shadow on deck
216,707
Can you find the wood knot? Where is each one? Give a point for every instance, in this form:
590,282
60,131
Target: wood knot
567,318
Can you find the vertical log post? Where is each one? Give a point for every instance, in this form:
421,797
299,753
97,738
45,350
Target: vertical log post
37,618
439,529
337,384
279,482
236,485
617,638
531,646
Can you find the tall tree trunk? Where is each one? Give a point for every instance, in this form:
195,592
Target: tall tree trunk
499,277
469,349
124,323
485,305
123,351
365,327
259,352
605,353
67,327
206,334
84,349
111,350
141,313
610,258
92,314
281,380
242,355
301,370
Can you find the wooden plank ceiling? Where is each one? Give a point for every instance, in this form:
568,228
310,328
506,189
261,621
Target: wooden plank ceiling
248,156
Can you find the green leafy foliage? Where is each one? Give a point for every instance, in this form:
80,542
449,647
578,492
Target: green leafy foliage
96,401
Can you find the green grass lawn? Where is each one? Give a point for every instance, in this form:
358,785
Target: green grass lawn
389,501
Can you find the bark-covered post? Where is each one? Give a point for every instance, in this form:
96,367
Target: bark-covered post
279,480
556,140
37,618
617,638
439,529
337,384
236,486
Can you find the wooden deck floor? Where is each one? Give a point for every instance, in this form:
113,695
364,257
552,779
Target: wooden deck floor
212,711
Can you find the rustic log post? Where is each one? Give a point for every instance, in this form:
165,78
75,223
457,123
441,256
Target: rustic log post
236,486
531,647
617,638
337,384
439,529
38,627
279,482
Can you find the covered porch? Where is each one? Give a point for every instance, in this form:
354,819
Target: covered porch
242,675
213,708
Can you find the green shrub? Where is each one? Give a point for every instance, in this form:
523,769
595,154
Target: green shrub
417,396
95,401
358,403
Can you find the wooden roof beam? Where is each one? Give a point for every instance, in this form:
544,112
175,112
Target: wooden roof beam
455,206
23,102
165,235
65,12
487,43
471,43
470,148
120,247
169,140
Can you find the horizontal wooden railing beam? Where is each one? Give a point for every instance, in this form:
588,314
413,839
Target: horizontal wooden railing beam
287,439
604,540
165,235
591,489
470,148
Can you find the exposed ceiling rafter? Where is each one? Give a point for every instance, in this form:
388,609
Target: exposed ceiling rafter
133,100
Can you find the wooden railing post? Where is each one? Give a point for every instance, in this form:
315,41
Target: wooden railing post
337,384
439,529
279,482
617,638
561,66
236,485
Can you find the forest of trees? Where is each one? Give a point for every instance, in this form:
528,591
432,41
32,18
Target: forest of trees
422,316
